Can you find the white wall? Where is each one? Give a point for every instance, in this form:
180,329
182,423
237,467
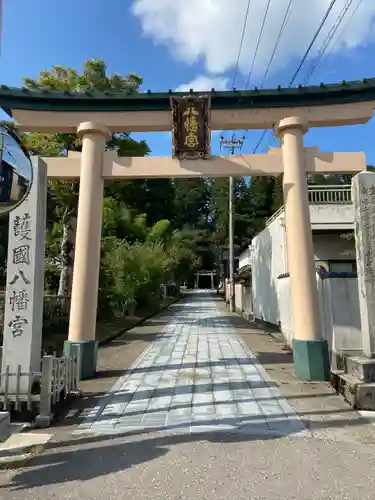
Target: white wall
325,217
268,262
243,298
247,299
238,297
328,216
269,254
285,308
339,306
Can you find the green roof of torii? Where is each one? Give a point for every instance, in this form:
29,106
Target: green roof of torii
318,95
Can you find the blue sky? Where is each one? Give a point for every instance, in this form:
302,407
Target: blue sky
156,41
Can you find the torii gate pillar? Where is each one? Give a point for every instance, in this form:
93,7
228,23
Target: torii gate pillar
84,300
310,351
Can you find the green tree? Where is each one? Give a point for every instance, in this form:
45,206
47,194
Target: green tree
64,194
192,213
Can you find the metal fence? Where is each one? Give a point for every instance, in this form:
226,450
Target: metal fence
59,377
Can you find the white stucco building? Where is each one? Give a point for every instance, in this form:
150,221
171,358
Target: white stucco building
331,214
266,292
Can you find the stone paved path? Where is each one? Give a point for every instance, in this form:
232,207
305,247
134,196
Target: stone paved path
197,376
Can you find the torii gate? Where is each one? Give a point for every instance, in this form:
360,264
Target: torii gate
288,111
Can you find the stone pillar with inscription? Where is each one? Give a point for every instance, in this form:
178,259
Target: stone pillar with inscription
23,318
363,195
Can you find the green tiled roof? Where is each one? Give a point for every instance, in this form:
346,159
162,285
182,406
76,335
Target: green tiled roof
40,100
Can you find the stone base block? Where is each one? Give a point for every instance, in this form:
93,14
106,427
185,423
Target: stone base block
88,356
311,359
361,368
360,395
338,357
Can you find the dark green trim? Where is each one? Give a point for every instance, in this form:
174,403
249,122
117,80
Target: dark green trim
311,359
318,95
89,355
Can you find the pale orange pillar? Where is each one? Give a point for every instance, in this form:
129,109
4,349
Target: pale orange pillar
310,351
84,299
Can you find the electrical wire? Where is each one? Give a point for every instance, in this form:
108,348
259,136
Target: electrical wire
281,32
305,56
327,41
343,30
258,44
241,42
331,5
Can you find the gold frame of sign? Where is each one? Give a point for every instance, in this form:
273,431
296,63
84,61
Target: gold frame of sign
191,132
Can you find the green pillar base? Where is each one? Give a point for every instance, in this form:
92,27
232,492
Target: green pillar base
311,359
89,351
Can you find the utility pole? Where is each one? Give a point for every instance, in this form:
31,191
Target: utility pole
231,145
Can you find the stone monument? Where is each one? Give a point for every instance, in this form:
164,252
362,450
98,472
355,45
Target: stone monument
23,317
363,194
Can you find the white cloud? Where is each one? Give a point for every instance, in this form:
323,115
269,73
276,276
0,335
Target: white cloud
210,30
201,83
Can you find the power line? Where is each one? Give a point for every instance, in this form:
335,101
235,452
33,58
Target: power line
241,42
344,29
332,4
302,61
258,43
260,141
281,32
328,40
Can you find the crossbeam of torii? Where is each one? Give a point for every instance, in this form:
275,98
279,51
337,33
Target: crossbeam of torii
115,167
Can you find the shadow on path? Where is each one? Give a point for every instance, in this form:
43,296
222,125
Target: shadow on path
89,462
91,456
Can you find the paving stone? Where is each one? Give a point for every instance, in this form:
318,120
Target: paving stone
197,376
203,410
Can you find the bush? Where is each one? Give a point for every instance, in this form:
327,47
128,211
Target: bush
132,274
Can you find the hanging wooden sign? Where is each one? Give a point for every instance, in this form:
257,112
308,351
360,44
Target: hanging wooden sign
191,133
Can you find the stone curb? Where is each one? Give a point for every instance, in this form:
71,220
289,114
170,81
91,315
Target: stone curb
20,459
19,451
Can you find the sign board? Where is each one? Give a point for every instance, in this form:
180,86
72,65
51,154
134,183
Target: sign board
191,133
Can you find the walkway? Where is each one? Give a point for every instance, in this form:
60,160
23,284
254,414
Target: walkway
197,376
